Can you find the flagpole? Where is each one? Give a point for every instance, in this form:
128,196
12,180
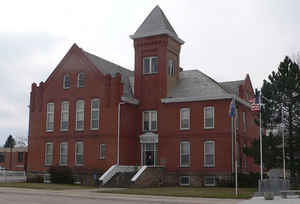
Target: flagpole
283,148
260,138
232,146
236,177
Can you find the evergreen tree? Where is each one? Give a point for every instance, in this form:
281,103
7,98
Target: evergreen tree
10,142
281,99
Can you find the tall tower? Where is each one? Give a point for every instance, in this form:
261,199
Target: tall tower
157,57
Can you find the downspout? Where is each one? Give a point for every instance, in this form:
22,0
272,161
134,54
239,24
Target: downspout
118,143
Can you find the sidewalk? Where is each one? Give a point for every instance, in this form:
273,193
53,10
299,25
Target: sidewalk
94,194
277,200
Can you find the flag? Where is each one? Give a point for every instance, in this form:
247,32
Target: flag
232,108
255,103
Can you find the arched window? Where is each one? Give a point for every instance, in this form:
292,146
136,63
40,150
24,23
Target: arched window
66,81
209,154
80,80
80,115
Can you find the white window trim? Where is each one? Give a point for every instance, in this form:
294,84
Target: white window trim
80,73
79,129
47,117
150,65
208,184
214,145
64,85
189,118
60,154
182,184
46,154
100,151
95,109
150,120
171,72
204,111
189,153
61,115
76,164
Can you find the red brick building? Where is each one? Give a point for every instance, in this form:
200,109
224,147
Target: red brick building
91,114
14,159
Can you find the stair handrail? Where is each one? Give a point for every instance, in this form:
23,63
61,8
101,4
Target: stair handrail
137,175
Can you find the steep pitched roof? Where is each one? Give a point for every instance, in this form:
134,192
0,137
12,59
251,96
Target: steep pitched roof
107,67
232,86
156,23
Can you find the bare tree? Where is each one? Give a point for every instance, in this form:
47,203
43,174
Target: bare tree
21,141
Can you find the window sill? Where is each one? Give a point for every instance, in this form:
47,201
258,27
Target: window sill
209,166
150,73
79,130
49,130
209,128
185,167
94,128
48,165
181,184
78,164
103,158
64,130
184,129
63,164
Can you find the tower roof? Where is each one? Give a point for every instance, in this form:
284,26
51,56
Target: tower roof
156,23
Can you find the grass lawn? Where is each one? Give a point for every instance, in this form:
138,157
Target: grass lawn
44,186
212,192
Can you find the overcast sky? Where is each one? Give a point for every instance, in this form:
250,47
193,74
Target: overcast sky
224,39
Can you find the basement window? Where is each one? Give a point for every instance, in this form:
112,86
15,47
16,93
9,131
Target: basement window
209,181
184,180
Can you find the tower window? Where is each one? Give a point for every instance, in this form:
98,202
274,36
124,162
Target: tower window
171,68
150,65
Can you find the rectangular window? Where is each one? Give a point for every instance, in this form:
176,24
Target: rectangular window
48,153
2,157
244,122
80,80
209,154
95,109
184,180
149,120
79,153
66,81
209,114
102,151
150,65
20,156
50,117
184,118
171,68
237,119
209,181
63,150
64,125
80,115
184,154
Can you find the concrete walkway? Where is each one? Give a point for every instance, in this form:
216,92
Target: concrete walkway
112,198
277,200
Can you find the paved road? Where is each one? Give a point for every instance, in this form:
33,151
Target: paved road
27,196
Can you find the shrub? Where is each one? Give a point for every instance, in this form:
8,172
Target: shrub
61,174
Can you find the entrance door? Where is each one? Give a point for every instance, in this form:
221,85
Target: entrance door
149,154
